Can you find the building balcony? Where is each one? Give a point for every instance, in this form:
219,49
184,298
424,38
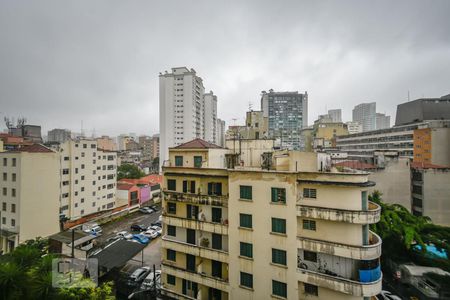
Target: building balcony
195,224
166,291
369,216
200,278
365,252
196,198
369,284
204,252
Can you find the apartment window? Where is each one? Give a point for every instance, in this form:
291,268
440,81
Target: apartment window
279,289
178,161
82,177
84,146
215,188
14,177
76,171
93,182
14,162
82,189
245,220
216,268
189,186
278,195
65,195
171,208
5,161
13,222
190,262
310,256
3,220
93,146
76,193
76,181
190,236
5,176
82,166
171,279
171,230
66,171
13,208
309,224
5,191
171,255
245,192
279,256
171,184
4,206
246,249
309,193
278,225
217,241
216,214
311,289
82,212
66,158
93,204
198,161
13,192
76,204
246,280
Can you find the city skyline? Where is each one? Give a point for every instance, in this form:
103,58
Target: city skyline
83,59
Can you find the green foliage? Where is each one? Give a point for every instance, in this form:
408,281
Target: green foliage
129,171
26,273
400,230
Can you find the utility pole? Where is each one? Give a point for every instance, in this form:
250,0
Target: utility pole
73,243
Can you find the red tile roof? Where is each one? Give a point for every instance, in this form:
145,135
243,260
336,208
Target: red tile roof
197,144
422,165
34,148
124,186
354,164
152,179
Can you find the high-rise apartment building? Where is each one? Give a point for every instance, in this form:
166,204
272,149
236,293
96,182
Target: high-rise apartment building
87,178
145,144
383,121
185,111
210,117
365,114
287,114
220,127
335,115
155,146
29,195
291,229
58,135
122,141
106,143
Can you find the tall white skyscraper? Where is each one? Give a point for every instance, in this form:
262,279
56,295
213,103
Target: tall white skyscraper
185,111
365,114
210,119
220,134
383,121
335,115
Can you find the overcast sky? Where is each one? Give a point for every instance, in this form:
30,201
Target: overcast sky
62,62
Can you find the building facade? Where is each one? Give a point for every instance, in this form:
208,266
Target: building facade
287,114
365,114
286,231
29,195
106,143
87,178
210,117
58,135
354,127
383,121
220,127
336,115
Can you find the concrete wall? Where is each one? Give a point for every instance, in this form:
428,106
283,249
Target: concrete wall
436,191
440,149
394,182
251,150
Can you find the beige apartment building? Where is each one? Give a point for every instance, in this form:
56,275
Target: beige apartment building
291,228
29,195
87,179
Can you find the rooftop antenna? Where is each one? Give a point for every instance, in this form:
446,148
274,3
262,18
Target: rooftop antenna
82,133
408,95
234,121
250,106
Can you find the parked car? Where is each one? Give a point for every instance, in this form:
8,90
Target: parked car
125,234
153,234
96,230
87,227
138,227
141,238
148,282
160,218
139,275
146,210
386,295
155,207
156,228
157,223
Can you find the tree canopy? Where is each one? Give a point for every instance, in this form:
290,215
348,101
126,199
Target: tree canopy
129,171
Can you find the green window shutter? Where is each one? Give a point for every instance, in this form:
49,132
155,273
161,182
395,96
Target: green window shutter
193,187
210,188
245,220
171,184
278,225
198,161
184,186
279,256
171,279
274,195
246,249
178,161
171,255
219,188
247,280
279,288
245,192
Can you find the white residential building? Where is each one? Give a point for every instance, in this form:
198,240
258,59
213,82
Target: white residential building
336,115
88,178
181,109
210,119
58,135
365,114
220,128
383,121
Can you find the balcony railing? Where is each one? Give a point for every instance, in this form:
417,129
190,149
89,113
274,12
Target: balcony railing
197,250
343,285
196,198
220,228
363,252
200,278
370,216
166,291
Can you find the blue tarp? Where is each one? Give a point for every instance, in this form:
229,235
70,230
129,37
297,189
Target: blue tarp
432,251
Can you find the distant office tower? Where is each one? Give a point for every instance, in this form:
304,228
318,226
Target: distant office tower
210,119
58,135
145,144
335,115
155,146
383,121
354,127
184,110
220,128
365,114
288,114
